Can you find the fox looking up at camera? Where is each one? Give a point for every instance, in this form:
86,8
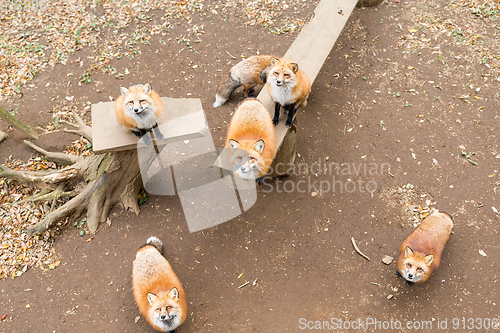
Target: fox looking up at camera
251,140
157,291
420,253
247,73
288,86
138,109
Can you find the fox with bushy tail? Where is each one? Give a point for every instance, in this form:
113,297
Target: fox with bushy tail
247,73
157,290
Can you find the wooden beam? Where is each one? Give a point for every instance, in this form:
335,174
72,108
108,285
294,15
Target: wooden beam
5,115
183,119
311,48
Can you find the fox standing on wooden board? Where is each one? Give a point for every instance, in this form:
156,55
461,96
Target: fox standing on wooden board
420,253
247,73
288,86
157,290
251,140
138,109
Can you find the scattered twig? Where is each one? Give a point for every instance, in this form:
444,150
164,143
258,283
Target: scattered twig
232,56
357,249
244,284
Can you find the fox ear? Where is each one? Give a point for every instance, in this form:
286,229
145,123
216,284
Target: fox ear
174,294
152,298
259,146
294,67
146,88
124,91
408,252
274,61
234,144
428,259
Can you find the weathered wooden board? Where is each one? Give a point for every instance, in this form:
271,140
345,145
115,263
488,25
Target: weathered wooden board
311,48
183,119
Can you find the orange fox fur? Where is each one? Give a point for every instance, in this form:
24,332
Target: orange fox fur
288,86
157,291
420,253
247,73
138,109
251,131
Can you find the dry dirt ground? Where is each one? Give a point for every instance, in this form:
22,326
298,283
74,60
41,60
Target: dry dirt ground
408,88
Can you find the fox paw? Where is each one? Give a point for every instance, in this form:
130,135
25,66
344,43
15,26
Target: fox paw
288,123
275,121
147,139
408,283
398,274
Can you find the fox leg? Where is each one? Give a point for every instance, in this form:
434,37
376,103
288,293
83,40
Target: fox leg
157,132
276,117
140,133
248,90
291,112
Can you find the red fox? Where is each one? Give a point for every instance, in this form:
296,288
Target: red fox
289,88
138,109
251,139
247,73
420,253
157,290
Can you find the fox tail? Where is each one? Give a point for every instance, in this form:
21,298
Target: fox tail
226,87
156,242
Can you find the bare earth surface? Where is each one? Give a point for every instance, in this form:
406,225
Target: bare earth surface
408,89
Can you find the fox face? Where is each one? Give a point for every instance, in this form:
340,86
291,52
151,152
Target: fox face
165,311
416,267
139,100
282,73
246,158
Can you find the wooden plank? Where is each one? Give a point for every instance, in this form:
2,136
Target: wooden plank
311,48
183,119
5,115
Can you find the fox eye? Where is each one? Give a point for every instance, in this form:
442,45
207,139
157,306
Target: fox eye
130,102
287,75
252,158
239,158
158,309
419,269
276,73
142,101
410,265
169,307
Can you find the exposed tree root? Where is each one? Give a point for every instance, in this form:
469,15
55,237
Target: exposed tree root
112,178
61,158
82,129
113,183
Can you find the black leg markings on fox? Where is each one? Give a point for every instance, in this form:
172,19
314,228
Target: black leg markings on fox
157,132
291,113
276,118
